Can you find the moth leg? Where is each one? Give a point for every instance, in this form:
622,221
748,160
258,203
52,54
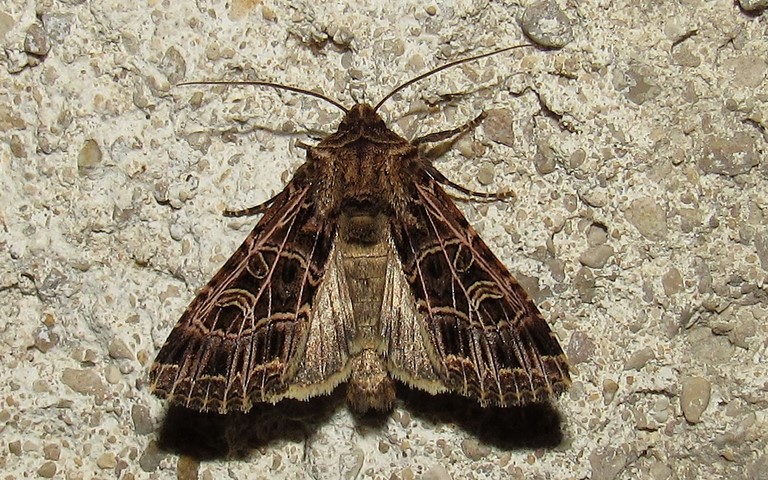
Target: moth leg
439,136
440,178
247,212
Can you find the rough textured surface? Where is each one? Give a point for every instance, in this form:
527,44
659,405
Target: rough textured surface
645,136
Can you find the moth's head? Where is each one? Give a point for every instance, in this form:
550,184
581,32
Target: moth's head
361,116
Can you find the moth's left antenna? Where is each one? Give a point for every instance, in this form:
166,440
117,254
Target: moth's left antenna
272,85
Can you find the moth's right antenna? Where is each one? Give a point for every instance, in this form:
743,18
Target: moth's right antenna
272,85
443,67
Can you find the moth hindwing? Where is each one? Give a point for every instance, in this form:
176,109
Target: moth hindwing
362,270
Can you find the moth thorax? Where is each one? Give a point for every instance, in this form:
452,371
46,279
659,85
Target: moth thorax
370,387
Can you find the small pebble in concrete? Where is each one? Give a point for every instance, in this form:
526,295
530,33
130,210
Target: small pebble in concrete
694,398
545,24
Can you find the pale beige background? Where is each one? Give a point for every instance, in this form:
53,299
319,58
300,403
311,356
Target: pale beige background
638,153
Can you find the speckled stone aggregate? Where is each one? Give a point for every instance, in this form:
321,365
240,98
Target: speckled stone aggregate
637,153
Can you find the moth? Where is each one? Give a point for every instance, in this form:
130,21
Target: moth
361,271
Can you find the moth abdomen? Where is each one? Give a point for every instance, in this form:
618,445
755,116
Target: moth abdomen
362,229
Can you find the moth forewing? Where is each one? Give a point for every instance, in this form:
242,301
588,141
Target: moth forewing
362,270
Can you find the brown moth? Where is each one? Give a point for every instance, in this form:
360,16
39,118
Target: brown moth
362,270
